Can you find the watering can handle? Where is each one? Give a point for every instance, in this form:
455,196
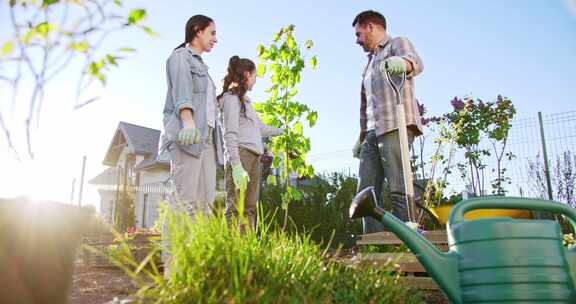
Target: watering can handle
457,213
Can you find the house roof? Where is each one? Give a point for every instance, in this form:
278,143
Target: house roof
139,140
161,161
106,177
151,164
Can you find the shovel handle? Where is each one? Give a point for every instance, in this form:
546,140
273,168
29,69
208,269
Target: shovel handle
403,137
457,213
397,87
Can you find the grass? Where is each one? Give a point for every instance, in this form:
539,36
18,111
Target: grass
215,263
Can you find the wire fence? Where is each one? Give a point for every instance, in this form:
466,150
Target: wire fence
528,140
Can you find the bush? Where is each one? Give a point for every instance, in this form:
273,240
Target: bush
322,212
215,264
125,211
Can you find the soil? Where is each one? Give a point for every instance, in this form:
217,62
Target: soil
100,285
94,285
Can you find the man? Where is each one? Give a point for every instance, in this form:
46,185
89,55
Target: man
378,145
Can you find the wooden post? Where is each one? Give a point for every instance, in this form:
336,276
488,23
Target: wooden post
81,181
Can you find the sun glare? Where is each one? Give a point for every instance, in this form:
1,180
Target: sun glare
39,180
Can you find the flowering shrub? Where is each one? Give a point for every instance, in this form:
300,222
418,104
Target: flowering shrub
134,232
466,126
473,120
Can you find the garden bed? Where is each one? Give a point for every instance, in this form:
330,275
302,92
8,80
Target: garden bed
95,247
99,285
91,285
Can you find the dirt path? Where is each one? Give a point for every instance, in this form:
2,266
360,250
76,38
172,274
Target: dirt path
98,285
93,285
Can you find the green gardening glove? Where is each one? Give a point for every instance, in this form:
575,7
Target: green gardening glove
395,65
188,135
240,177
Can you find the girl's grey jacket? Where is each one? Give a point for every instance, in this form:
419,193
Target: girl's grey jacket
243,130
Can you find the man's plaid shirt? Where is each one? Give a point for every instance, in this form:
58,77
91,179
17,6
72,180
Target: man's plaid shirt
383,98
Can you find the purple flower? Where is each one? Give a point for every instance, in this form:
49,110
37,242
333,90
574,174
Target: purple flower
421,108
421,231
433,119
457,104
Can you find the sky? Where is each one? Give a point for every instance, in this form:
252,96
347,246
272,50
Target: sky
523,49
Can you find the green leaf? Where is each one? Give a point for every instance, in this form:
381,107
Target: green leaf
100,64
49,2
136,15
127,50
150,32
102,78
28,36
312,117
93,69
271,180
310,171
111,59
298,128
278,35
296,195
290,43
308,44
264,56
261,70
284,55
7,48
81,47
313,62
118,2
44,28
260,49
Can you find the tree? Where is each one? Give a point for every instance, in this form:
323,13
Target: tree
47,37
285,62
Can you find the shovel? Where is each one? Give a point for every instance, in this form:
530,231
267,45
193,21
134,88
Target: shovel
404,149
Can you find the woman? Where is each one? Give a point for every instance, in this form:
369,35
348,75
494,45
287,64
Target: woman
190,120
243,132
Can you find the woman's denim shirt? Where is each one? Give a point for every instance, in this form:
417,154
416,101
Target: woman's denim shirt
188,81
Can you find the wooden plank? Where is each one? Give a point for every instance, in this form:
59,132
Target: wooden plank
388,238
422,283
403,262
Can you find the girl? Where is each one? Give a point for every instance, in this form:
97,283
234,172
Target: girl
243,131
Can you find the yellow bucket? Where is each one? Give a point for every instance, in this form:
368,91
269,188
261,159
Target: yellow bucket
443,212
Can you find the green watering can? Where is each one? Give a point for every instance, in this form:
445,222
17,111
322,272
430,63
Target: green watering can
500,260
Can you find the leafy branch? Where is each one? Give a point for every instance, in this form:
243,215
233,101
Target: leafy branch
283,59
46,38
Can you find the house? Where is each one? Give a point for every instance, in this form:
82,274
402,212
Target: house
135,166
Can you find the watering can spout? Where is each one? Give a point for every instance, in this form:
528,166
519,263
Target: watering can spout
442,267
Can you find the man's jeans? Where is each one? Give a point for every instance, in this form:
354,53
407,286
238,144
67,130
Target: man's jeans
381,160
